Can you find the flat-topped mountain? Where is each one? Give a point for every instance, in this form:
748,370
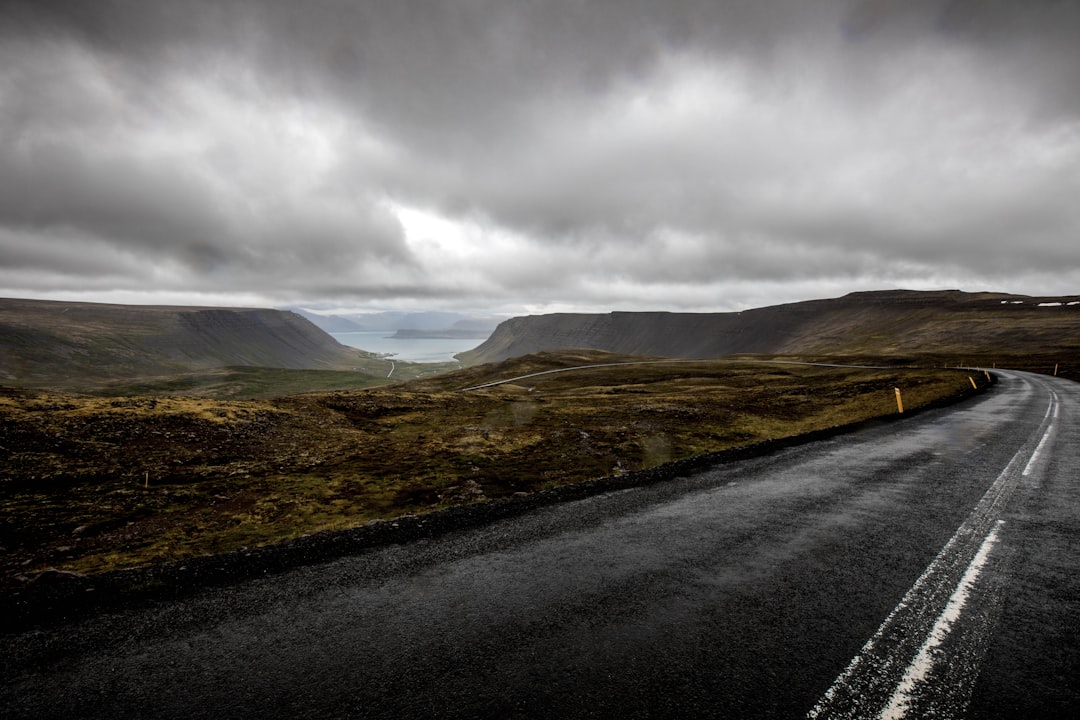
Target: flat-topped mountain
885,323
46,342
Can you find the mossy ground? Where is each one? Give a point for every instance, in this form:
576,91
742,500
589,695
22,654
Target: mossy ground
242,383
92,484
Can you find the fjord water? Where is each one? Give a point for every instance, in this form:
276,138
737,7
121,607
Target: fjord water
408,349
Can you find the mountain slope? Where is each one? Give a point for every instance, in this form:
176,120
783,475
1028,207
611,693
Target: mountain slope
883,323
50,342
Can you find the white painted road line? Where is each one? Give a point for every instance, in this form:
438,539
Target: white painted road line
1038,450
920,667
880,679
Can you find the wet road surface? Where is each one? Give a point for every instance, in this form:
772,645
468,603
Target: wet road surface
922,566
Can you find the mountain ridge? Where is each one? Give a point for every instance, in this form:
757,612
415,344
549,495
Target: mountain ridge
42,341
886,322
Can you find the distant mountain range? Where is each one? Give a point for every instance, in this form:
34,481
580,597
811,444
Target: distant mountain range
895,323
81,345
402,324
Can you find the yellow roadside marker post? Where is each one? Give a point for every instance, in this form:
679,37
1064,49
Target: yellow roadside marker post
1055,369
899,401
973,382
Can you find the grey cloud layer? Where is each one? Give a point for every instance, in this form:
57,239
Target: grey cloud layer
605,152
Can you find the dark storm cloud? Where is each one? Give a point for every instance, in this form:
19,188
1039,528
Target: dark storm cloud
601,153
172,153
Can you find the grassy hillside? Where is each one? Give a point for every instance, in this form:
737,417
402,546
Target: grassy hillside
948,326
94,347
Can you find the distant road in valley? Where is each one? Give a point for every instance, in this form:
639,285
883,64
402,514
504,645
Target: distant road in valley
926,565
666,361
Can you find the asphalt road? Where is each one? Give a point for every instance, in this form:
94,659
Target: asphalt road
923,567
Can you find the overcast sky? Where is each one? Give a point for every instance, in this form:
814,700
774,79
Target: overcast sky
519,157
